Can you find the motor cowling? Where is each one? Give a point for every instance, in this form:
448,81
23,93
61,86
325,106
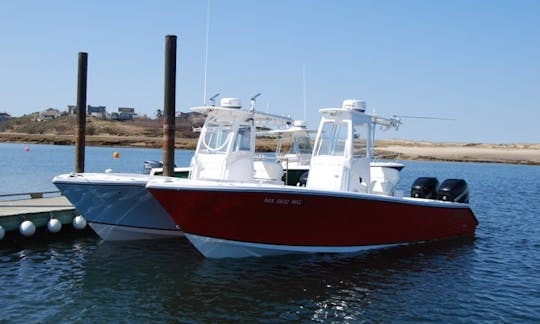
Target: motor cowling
150,164
425,187
455,190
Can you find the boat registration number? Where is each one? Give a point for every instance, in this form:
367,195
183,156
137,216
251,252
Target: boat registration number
273,201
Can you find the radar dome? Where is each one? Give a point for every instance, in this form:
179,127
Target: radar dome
231,103
354,104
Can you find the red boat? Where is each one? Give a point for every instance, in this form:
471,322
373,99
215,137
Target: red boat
344,207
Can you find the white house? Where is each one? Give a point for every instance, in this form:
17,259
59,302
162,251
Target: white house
48,114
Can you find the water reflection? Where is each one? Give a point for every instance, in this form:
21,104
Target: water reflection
168,280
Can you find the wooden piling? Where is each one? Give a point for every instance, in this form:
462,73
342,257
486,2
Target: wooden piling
169,105
81,113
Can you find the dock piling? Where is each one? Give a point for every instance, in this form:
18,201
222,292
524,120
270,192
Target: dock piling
80,136
169,105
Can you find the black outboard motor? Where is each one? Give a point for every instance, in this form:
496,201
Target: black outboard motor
150,164
425,187
453,190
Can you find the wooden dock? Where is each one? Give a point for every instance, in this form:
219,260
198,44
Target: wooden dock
38,209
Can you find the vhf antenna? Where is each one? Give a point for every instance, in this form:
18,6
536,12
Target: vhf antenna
213,99
253,101
206,51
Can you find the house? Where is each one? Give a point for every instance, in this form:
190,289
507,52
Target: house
4,116
71,109
97,111
125,113
50,113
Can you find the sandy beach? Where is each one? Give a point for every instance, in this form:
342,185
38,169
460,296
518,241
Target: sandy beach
471,152
395,149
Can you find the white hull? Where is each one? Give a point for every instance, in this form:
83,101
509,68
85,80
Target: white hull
219,248
109,232
117,206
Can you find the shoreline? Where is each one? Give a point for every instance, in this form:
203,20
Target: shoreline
524,154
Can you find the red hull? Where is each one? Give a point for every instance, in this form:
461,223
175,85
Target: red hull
293,218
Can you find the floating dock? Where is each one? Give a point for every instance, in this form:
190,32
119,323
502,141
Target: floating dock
25,217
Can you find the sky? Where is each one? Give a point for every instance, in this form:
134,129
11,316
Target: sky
470,68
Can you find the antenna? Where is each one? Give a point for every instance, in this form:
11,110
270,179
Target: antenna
422,117
304,84
206,50
213,99
253,101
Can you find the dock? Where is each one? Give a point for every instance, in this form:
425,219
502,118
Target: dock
39,209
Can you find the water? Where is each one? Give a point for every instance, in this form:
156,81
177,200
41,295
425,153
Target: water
494,278
24,171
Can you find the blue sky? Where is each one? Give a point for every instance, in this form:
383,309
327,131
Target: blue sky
474,61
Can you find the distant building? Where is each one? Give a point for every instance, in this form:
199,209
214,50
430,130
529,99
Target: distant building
4,116
125,113
71,109
97,111
50,113
182,115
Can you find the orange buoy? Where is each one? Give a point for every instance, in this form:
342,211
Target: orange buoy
116,155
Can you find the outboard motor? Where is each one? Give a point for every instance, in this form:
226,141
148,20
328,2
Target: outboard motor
150,164
425,187
453,190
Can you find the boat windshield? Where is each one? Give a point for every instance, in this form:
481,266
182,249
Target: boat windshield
332,139
243,139
215,138
301,145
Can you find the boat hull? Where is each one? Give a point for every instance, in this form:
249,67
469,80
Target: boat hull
117,207
113,232
219,248
244,221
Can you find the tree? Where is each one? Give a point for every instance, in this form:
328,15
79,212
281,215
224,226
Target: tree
159,114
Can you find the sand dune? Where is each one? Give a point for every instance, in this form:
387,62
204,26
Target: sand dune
503,153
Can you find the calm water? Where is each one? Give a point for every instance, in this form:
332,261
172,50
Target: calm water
34,169
495,278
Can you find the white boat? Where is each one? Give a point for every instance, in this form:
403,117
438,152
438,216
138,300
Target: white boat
117,205
343,208
295,147
293,151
